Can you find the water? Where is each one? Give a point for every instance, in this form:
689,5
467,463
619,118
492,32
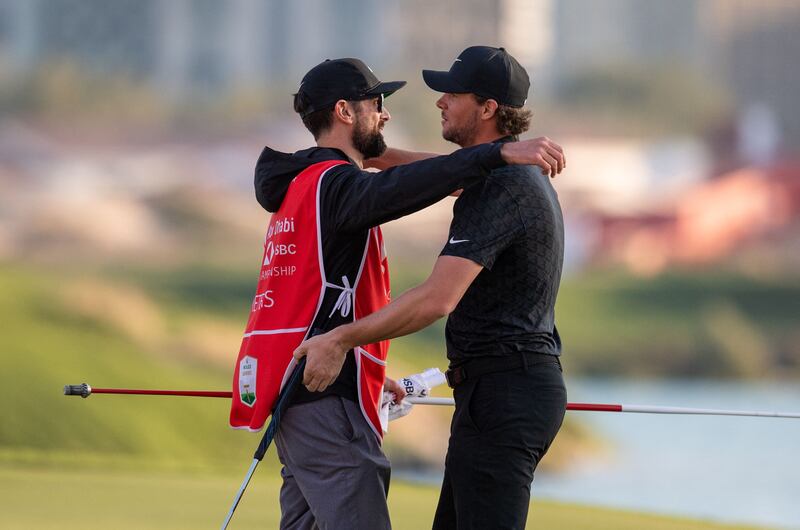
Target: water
727,469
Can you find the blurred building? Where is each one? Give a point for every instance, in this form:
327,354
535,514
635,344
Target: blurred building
750,47
121,37
707,223
205,46
191,46
436,32
593,33
624,175
210,47
753,48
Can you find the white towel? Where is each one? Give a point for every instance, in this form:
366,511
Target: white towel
416,385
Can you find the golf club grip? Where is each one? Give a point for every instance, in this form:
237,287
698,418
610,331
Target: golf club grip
280,406
83,390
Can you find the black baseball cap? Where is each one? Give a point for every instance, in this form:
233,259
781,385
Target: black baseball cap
348,79
488,72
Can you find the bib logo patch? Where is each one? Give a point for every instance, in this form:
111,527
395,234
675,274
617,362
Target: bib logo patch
247,380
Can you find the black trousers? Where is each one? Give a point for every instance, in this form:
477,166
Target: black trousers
503,425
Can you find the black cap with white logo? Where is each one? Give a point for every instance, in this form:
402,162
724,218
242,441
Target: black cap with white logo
485,71
348,79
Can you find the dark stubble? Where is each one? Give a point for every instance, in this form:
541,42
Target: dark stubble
464,134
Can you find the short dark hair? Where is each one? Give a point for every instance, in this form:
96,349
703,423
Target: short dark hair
317,122
511,121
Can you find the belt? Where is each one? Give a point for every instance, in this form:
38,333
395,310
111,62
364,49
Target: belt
480,366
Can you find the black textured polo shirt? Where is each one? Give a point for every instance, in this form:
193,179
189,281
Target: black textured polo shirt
511,224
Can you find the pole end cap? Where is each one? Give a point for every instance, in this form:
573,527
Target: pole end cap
83,390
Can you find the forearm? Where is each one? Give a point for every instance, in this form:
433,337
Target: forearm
396,157
412,311
376,198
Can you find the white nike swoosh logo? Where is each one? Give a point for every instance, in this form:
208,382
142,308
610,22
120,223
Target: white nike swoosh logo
458,60
454,241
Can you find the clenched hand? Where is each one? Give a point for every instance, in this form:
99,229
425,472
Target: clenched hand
324,359
542,152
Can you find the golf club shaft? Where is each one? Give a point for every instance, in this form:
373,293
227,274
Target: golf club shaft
239,493
277,411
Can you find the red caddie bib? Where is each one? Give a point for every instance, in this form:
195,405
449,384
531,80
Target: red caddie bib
290,291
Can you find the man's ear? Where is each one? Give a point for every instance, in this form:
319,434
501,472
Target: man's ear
489,109
343,112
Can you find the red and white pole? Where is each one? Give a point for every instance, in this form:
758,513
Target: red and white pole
85,390
641,409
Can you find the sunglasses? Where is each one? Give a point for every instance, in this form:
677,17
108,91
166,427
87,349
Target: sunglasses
378,103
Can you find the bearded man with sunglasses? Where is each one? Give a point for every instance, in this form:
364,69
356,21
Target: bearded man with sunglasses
324,265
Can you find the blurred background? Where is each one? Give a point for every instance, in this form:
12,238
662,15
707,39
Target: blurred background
130,239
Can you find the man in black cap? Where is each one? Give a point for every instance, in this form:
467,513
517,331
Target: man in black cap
324,266
497,278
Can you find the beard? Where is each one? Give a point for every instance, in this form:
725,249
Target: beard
369,143
464,134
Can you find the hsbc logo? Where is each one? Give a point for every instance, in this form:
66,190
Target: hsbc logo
272,250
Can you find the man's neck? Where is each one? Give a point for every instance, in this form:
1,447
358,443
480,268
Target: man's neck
484,137
336,142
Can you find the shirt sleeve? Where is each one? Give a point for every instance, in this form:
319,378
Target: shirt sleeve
358,200
486,220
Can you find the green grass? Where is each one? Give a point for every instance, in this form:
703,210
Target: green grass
46,345
690,325
53,499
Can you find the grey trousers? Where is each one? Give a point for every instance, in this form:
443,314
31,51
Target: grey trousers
335,475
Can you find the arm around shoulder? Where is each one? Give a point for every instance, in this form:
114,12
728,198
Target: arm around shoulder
396,157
